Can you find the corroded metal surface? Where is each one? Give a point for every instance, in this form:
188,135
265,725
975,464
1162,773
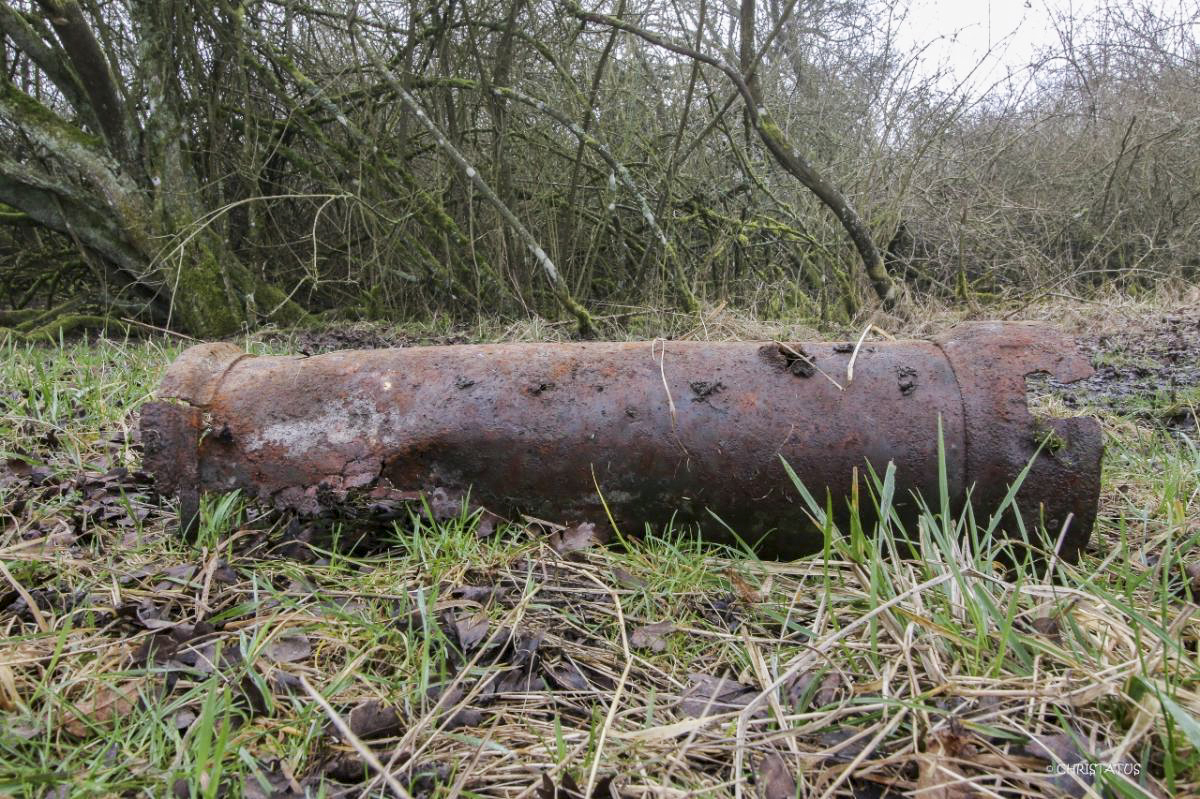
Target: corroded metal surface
691,431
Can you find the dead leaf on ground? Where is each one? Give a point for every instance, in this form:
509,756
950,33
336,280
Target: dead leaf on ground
18,466
224,574
1056,749
710,696
939,776
1047,626
489,522
289,648
177,577
842,744
483,594
1191,580
144,614
567,676
373,719
183,718
454,712
826,691
350,768
774,778
723,612
471,630
745,592
573,539
652,636
627,579
273,780
110,701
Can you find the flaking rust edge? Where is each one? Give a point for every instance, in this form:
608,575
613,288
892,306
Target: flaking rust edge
690,431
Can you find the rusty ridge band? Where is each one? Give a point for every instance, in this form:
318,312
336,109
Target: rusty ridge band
683,431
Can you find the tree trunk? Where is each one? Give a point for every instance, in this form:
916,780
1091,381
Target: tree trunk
127,192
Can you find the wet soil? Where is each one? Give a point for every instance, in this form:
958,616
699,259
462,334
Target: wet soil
356,337
1149,371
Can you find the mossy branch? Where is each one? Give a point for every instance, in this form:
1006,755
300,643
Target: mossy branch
69,324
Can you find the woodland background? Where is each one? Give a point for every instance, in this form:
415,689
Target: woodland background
212,166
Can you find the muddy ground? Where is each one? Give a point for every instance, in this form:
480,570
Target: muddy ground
1148,371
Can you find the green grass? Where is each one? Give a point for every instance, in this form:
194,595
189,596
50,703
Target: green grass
893,673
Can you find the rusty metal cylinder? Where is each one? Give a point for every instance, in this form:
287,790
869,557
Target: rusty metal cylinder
682,431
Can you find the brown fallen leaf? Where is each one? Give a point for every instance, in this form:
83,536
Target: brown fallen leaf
145,614
350,767
841,744
18,466
289,648
567,676
627,579
454,712
1191,580
745,592
471,630
272,780
373,719
1047,626
573,539
774,778
483,594
224,574
489,522
1060,749
939,776
110,701
711,696
652,636
825,692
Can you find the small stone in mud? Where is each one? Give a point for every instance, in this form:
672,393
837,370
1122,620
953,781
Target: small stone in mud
704,389
906,378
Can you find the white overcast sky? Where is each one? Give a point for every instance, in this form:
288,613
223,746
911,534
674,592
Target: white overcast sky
962,31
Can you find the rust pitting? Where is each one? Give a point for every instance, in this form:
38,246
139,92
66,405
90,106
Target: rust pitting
703,389
545,424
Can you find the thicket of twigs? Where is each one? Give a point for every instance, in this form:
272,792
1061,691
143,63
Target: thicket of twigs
271,159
